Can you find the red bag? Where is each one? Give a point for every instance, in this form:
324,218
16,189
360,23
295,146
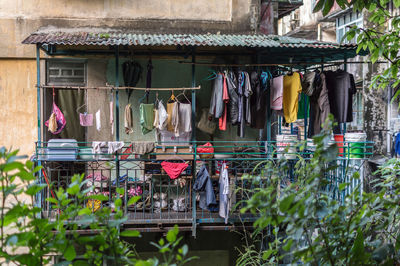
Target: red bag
206,148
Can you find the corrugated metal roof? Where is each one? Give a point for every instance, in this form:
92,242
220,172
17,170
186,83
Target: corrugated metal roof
111,37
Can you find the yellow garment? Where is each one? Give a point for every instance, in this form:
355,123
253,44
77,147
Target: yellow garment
291,90
53,123
170,108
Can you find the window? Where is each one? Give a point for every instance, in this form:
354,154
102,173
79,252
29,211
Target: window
358,119
345,22
66,72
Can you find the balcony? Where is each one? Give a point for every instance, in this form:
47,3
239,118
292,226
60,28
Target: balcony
165,201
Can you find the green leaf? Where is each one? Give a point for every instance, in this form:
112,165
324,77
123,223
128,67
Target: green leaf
52,200
100,197
172,234
120,190
73,190
118,203
318,6
130,233
133,200
85,211
267,254
70,253
26,176
12,166
327,7
285,203
34,189
185,250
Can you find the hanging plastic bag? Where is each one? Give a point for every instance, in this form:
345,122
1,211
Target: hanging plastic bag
205,151
59,118
205,124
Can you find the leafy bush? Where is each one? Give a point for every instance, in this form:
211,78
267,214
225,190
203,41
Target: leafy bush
26,238
308,225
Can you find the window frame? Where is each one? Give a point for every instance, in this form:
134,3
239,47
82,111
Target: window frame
66,61
355,18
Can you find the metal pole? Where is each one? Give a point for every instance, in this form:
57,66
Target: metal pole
345,69
38,201
194,218
117,114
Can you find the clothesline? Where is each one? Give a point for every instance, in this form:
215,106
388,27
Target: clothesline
279,64
117,88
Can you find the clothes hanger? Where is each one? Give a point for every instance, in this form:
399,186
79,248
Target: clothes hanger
172,98
183,93
146,95
83,105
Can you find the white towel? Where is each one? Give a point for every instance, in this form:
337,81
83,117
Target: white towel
114,146
98,121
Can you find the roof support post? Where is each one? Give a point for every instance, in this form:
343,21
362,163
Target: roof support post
38,200
194,219
117,113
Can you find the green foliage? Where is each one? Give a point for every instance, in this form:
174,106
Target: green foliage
27,238
379,36
307,225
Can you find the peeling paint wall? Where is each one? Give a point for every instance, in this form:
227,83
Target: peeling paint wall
18,124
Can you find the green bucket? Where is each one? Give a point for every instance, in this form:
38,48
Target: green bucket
356,144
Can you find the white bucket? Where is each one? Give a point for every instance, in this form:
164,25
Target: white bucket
283,142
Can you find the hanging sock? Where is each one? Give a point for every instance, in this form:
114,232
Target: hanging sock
98,121
174,170
128,119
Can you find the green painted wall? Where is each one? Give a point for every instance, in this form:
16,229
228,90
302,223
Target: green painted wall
170,74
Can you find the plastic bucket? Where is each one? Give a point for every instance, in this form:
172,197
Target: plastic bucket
356,144
284,142
339,142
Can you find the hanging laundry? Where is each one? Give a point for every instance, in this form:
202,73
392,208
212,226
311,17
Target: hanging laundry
203,185
185,118
233,105
170,108
225,99
162,116
290,101
258,101
112,117
128,119
217,102
276,93
240,92
85,119
98,120
397,144
247,94
174,170
156,117
341,88
175,118
131,72
224,193
114,146
97,147
146,117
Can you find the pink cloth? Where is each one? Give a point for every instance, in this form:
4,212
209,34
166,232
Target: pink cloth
174,170
86,120
277,93
225,98
97,177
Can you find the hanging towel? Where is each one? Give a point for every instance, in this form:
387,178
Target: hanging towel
96,147
86,120
175,118
146,117
114,146
162,116
276,93
174,170
170,108
128,119
290,102
112,117
98,121
185,118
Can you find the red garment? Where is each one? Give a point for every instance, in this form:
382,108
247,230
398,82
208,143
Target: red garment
225,98
174,170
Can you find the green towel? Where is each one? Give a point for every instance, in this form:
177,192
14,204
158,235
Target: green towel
146,117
